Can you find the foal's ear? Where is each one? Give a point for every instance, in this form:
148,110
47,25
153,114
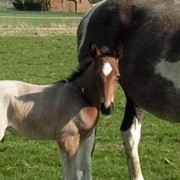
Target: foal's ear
119,51
93,50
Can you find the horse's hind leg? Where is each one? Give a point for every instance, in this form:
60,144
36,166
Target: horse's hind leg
3,126
130,129
2,131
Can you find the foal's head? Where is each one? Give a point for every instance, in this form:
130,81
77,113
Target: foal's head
107,75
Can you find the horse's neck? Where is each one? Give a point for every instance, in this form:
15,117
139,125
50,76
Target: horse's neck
86,84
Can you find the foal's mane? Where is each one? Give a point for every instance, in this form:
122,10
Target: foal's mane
77,73
105,51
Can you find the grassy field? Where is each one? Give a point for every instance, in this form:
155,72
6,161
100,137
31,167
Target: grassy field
46,59
21,23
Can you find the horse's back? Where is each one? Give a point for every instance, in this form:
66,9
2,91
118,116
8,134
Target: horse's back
17,87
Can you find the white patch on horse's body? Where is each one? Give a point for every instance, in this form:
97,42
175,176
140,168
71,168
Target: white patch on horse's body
169,71
99,3
87,17
131,139
106,69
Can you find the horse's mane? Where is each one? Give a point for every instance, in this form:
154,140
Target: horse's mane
77,73
105,51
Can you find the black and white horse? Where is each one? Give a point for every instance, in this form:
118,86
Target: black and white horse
150,66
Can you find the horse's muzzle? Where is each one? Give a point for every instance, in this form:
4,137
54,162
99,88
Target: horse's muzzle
107,110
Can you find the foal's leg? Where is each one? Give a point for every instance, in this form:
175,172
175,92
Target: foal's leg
84,160
76,159
1,135
3,124
130,129
69,147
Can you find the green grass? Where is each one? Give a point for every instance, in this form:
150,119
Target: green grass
41,20
43,60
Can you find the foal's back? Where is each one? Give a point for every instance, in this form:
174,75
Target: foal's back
29,108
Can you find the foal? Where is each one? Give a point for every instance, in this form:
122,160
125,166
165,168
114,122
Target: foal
64,112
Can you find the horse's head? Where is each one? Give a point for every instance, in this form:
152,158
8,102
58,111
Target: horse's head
107,75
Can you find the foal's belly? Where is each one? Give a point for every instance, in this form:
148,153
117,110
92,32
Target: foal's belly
155,87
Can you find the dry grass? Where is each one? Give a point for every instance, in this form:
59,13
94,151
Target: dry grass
42,32
14,23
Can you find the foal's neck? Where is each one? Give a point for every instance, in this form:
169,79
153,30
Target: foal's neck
86,85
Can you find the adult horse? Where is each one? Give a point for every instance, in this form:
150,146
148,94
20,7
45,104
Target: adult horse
66,112
150,66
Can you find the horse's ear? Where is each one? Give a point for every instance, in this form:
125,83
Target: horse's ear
93,50
119,51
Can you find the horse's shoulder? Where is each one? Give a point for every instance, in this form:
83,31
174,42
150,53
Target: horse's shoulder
88,117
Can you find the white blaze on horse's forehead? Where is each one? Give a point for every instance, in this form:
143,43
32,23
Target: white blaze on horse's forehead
85,22
169,71
107,68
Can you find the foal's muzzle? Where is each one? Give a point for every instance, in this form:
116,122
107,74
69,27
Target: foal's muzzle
107,110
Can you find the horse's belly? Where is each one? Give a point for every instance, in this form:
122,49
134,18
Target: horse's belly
156,89
32,131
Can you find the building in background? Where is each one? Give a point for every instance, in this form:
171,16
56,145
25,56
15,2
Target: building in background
70,5
54,5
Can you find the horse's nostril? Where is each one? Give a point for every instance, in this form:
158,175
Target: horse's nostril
107,110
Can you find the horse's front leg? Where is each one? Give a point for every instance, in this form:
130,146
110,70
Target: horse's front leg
69,147
84,157
131,132
76,157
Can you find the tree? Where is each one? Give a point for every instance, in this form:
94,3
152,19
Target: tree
31,5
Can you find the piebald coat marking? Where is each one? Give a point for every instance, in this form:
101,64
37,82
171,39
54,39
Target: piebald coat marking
131,139
169,71
87,16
